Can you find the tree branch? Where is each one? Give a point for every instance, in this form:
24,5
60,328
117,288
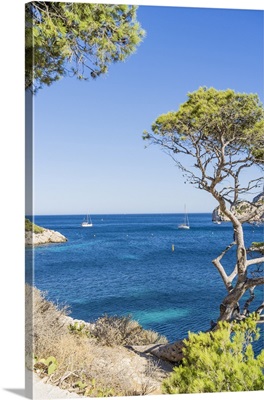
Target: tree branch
226,279
254,282
254,261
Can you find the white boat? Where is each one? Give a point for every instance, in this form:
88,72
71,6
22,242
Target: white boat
87,222
185,224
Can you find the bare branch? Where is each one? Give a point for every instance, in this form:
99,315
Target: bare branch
226,279
254,282
254,261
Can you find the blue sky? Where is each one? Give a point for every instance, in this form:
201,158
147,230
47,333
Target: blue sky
89,156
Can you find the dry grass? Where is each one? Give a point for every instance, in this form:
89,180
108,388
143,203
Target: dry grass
115,330
45,322
82,359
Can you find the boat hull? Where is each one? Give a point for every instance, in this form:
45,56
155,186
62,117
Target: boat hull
183,227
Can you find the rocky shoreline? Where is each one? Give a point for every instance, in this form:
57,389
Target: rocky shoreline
45,237
243,210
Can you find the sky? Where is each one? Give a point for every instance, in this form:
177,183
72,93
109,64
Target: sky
89,156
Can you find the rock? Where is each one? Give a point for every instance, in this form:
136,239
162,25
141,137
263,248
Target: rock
47,236
258,247
216,216
243,209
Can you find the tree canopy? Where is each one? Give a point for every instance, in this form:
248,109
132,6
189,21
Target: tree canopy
76,39
222,131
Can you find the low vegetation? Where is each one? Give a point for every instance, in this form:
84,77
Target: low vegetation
30,227
220,361
89,359
115,330
97,360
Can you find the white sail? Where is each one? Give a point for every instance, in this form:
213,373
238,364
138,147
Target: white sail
185,224
87,222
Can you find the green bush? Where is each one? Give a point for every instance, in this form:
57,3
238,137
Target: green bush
79,329
219,361
257,244
29,226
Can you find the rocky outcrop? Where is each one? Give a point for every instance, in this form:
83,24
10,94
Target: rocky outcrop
46,236
257,246
243,210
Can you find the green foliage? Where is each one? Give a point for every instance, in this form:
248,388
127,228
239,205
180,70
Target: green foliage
76,327
219,361
77,39
212,116
48,365
29,226
79,329
95,390
82,385
257,244
92,388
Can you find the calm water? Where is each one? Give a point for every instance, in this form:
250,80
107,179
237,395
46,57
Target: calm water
124,265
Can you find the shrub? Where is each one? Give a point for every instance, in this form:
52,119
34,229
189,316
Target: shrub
116,330
44,323
64,352
29,226
257,244
219,361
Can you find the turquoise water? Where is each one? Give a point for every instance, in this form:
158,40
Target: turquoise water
124,265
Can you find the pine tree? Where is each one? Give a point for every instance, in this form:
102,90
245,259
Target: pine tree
76,39
219,361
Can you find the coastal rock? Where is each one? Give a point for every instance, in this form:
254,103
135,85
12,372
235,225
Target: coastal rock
47,236
243,209
258,247
217,216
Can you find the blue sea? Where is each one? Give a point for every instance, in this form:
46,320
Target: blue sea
125,264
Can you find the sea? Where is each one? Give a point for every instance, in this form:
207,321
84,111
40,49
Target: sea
140,265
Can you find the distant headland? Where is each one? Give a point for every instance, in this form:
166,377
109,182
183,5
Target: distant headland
252,212
36,235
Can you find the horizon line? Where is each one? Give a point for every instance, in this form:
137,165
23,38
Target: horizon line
127,213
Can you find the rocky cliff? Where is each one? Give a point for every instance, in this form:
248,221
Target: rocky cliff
46,236
243,209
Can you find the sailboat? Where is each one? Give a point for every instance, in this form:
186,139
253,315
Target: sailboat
185,224
87,222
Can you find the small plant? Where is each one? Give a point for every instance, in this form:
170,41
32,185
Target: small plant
48,365
257,244
79,329
96,391
76,328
